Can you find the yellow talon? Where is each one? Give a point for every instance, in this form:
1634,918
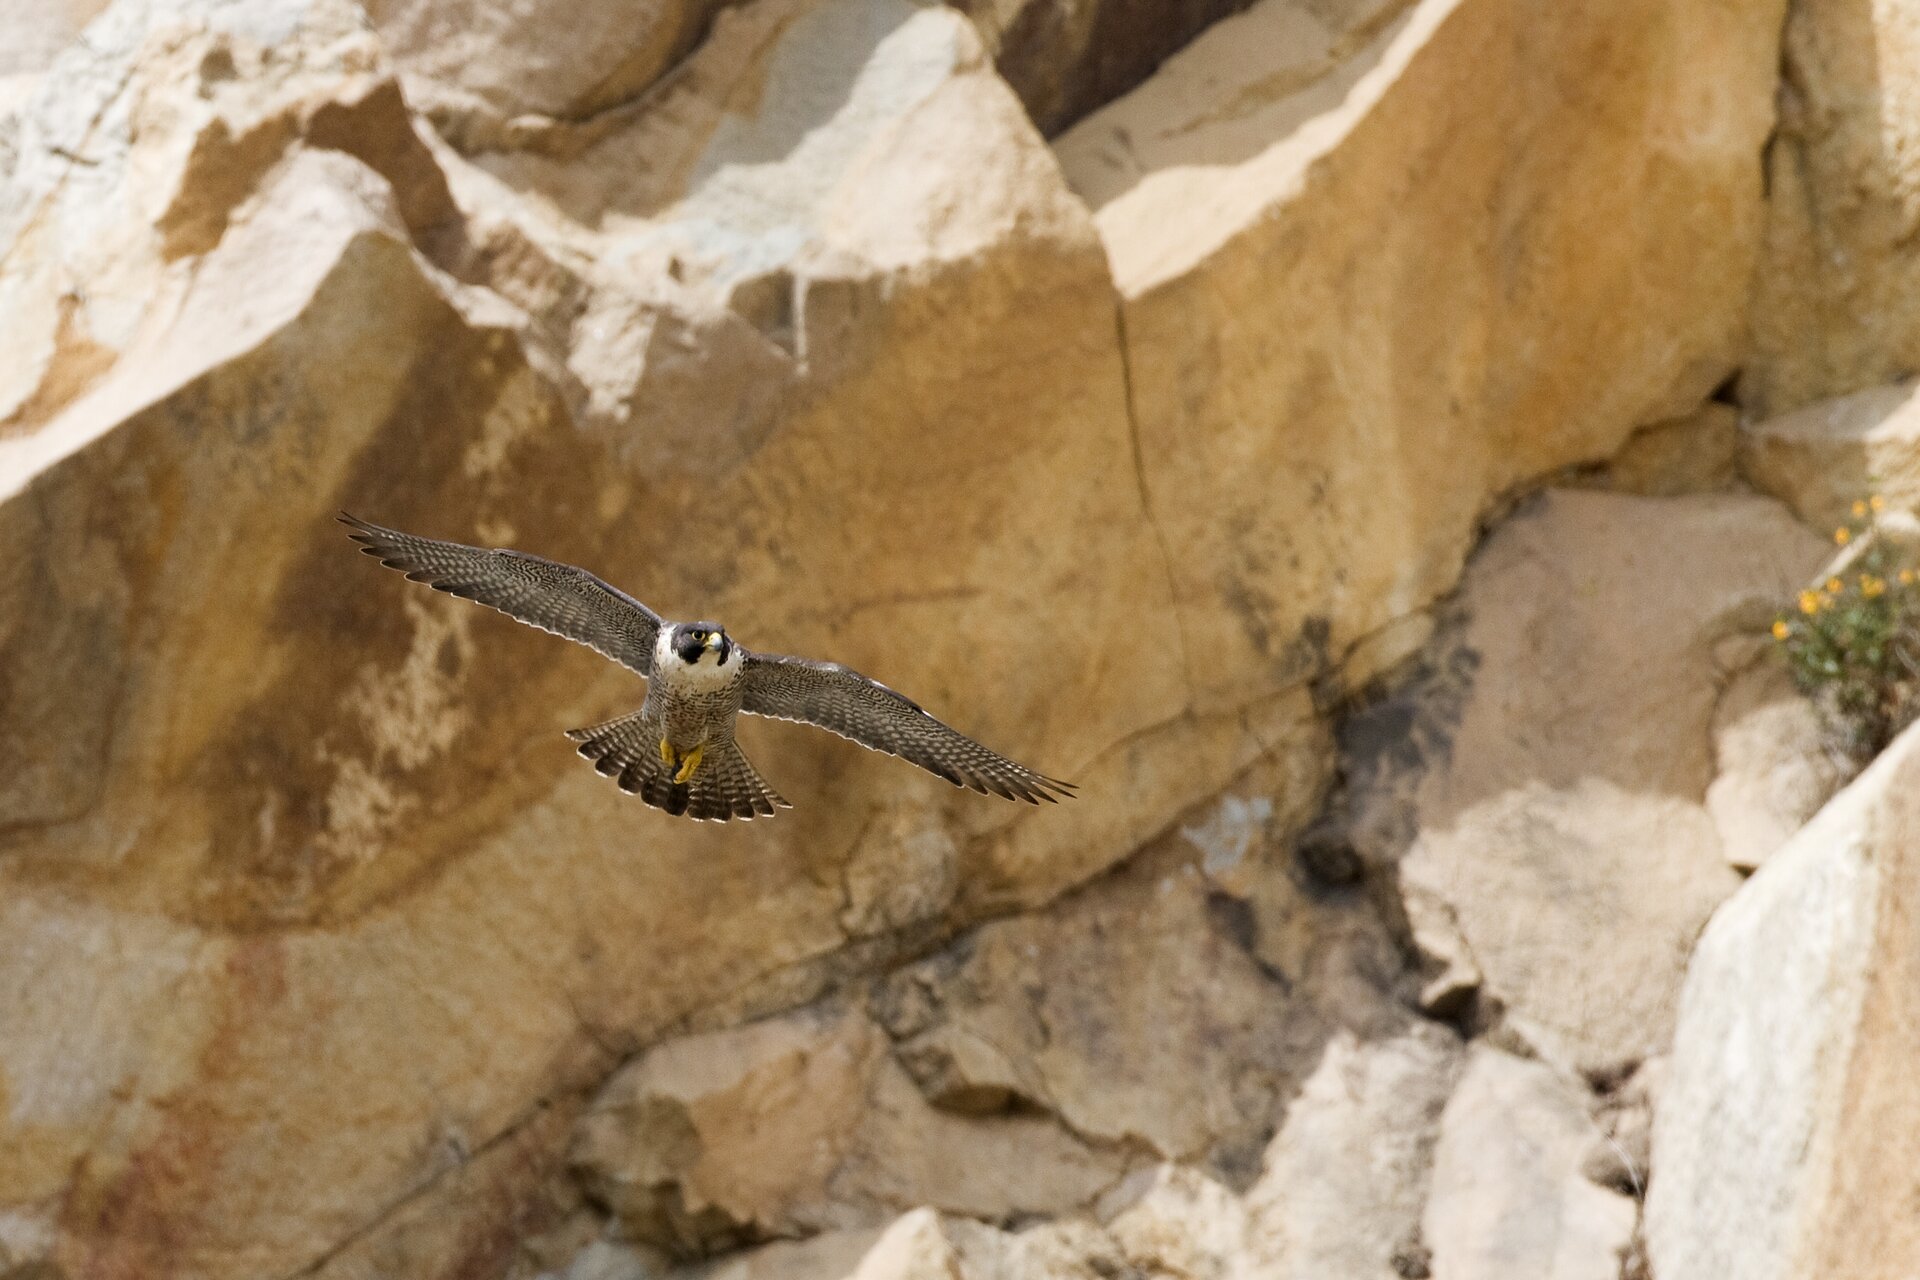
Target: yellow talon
688,763
667,754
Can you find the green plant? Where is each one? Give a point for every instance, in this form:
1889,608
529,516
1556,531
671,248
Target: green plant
1852,642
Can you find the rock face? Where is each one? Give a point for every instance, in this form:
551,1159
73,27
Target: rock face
1784,1143
1139,454
1509,1197
1439,191
1834,302
808,1123
1776,761
1824,457
1560,752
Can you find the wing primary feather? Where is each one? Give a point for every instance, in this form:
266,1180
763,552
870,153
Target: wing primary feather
555,597
843,701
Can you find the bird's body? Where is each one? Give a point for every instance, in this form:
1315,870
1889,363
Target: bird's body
694,697
677,752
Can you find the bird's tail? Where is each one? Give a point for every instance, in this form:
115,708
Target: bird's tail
724,785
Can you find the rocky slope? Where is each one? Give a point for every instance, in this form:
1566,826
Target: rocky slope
1173,414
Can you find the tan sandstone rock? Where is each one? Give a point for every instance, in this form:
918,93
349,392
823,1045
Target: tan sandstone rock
1693,453
1824,457
1362,290
317,935
807,1123
382,912
1558,754
1142,1010
480,68
1785,1143
1834,307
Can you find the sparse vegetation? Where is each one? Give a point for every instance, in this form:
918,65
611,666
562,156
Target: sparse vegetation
1852,641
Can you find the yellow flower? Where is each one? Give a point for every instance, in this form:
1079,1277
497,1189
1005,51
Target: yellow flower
1809,602
1780,629
1872,587
1877,502
1906,577
1842,535
1859,509
1833,586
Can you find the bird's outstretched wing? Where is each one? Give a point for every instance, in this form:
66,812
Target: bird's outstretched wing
831,696
555,597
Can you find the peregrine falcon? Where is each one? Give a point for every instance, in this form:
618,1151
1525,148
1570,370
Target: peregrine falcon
677,751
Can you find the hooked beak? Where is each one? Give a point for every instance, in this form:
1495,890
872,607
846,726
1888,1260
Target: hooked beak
715,642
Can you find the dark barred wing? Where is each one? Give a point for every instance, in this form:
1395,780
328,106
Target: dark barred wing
831,696
555,597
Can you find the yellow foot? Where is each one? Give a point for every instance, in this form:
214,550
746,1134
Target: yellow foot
688,763
667,754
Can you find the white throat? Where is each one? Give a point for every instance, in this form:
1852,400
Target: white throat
694,677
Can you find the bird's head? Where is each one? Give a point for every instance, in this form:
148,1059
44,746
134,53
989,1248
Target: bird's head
696,642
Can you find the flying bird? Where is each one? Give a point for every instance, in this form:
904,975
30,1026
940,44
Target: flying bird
677,752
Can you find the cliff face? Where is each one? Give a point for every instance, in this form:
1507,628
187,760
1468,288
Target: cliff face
1152,454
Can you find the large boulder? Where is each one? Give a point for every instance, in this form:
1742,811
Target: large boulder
805,1123
1823,457
1509,1199
1542,786
1395,291
488,73
1066,57
1787,1138
1836,304
382,915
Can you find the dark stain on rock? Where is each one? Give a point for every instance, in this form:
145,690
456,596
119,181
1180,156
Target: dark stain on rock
1389,744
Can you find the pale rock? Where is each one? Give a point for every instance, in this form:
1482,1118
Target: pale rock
1392,272
1784,1143
388,911
477,68
1066,57
926,1245
1509,1201
1822,458
1177,1221
1621,1155
806,1123
1543,785
37,30
603,1260
1346,1176
1836,300
139,145
1138,1010
1777,762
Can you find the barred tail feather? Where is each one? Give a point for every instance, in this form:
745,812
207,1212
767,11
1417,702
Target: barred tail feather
725,786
